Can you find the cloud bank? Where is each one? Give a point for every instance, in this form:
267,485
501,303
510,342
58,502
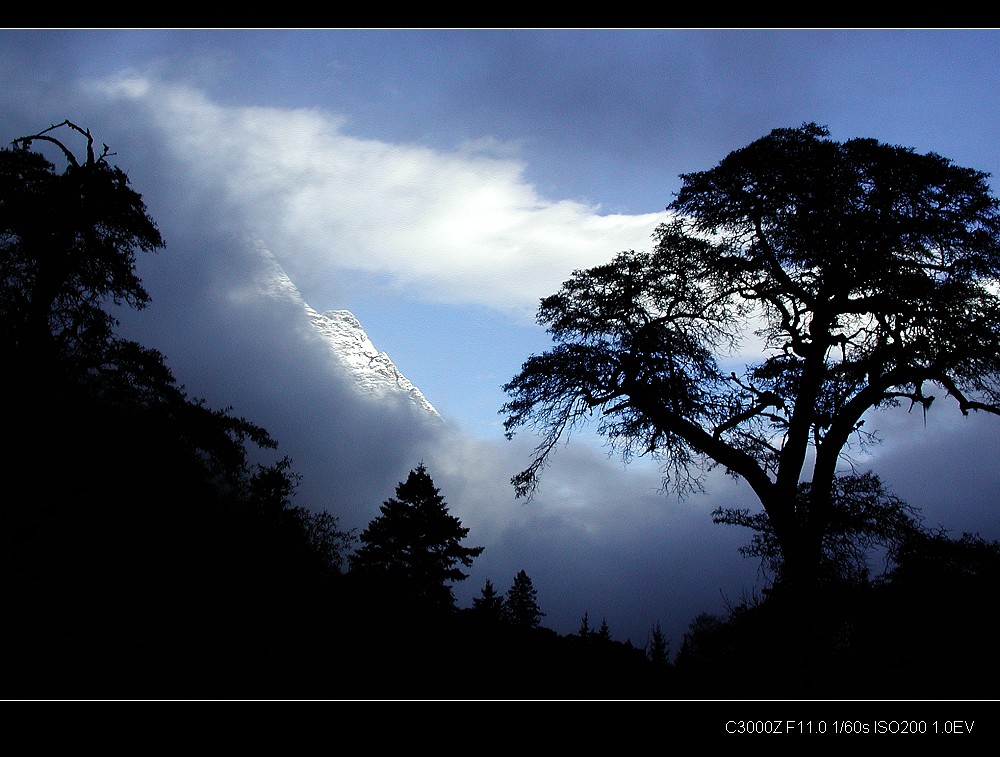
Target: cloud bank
341,213
460,227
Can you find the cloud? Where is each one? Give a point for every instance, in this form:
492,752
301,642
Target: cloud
460,227
598,537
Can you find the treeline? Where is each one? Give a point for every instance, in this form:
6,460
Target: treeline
145,555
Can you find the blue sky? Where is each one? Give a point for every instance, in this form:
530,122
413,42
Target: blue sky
438,183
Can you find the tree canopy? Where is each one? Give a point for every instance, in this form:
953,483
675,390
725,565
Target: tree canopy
133,516
864,517
141,553
866,272
68,246
68,243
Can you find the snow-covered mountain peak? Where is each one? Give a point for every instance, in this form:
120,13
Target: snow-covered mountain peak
374,371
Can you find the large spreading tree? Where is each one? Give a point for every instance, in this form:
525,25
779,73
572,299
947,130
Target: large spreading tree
803,283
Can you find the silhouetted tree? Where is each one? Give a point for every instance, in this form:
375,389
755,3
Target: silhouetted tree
521,603
863,517
489,604
937,609
868,271
414,546
658,648
136,537
603,631
68,242
327,541
585,629
931,557
699,646
289,538
918,630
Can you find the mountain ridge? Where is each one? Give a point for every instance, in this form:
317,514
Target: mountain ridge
373,372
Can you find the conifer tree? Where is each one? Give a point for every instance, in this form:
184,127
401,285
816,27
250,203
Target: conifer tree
658,649
603,632
521,603
489,604
414,547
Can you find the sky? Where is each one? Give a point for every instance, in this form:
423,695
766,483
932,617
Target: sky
438,183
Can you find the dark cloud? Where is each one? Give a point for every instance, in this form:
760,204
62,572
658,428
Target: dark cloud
599,537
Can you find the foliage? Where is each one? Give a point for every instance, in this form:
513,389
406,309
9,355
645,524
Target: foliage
864,518
700,638
290,537
415,544
925,629
67,248
658,648
489,604
134,518
604,631
326,540
866,270
932,557
143,554
68,244
521,603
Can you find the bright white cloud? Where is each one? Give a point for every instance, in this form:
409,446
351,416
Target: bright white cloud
458,227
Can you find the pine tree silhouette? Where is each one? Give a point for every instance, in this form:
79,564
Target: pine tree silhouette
521,603
414,546
490,604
